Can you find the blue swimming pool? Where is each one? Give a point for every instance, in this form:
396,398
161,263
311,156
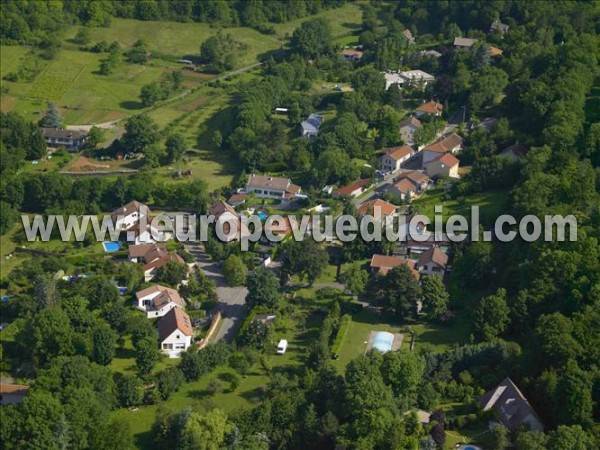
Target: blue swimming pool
262,215
111,247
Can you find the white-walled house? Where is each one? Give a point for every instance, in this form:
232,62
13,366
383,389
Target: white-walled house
452,143
271,187
129,215
433,262
175,332
393,157
407,129
158,300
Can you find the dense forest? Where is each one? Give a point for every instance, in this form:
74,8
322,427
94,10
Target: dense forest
535,312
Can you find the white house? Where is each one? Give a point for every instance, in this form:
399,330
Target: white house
158,300
310,127
72,140
407,129
271,187
129,215
393,157
432,262
353,189
175,332
407,78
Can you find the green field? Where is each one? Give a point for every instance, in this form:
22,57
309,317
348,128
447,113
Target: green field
490,205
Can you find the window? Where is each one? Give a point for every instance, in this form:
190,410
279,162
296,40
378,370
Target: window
167,346
179,346
177,336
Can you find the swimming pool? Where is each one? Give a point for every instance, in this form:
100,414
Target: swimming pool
111,247
262,215
468,447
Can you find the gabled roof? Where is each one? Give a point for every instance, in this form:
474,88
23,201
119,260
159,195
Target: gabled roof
383,264
163,260
312,123
237,198
431,107
146,250
405,186
219,208
59,133
129,208
446,143
464,42
499,26
265,182
516,150
165,295
435,255
385,208
410,122
448,159
511,406
175,319
414,176
397,153
349,189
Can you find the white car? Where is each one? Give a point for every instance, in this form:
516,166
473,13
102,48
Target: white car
282,347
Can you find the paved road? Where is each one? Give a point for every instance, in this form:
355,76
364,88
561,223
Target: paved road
232,300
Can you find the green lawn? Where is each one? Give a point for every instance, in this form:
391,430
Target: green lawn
491,205
249,392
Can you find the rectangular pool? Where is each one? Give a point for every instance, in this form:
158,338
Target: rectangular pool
111,247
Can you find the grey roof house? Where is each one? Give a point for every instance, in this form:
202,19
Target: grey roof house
310,127
510,406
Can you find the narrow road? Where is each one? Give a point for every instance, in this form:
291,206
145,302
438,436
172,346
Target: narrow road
232,300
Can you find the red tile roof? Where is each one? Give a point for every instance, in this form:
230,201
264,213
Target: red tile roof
349,189
446,143
447,158
397,153
435,255
385,208
163,260
405,186
431,107
17,389
175,319
166,295
383,264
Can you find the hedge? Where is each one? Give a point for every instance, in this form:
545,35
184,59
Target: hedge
345,322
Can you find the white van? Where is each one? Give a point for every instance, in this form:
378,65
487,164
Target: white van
282,347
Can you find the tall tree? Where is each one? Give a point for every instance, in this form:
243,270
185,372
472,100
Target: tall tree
399,291
435,297
103,341
52,118
263,289
140,132
175,147
492,315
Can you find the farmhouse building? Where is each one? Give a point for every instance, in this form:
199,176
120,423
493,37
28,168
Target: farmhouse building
70,139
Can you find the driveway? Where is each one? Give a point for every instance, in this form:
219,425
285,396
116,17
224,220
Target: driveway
232,300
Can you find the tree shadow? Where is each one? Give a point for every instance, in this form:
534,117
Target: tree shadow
131,104
254,395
